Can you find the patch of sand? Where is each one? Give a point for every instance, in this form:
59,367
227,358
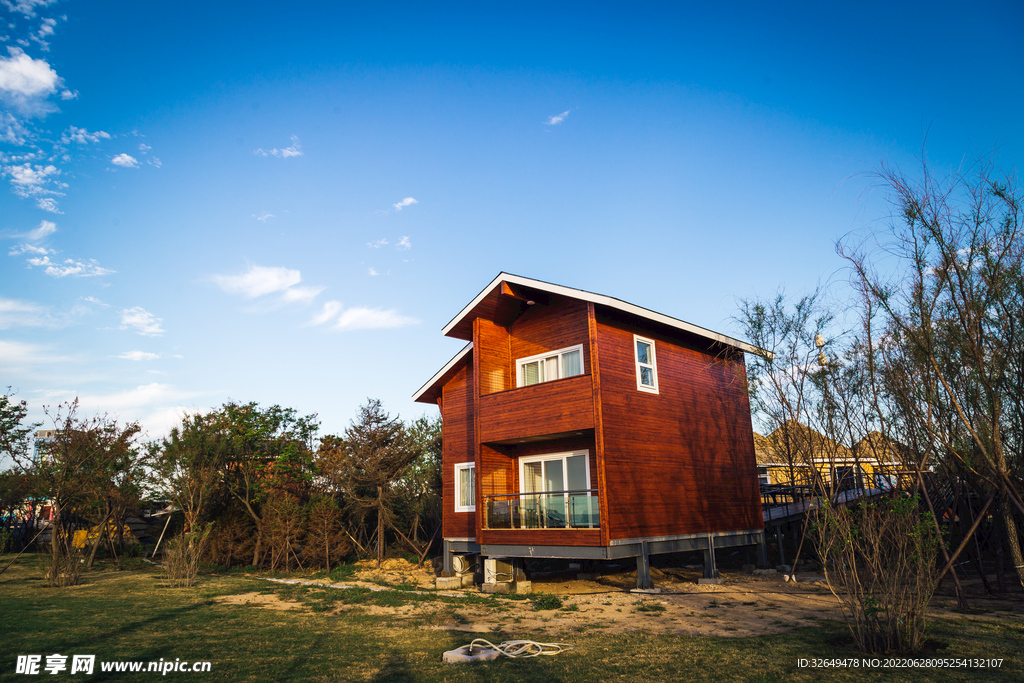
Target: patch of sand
267,600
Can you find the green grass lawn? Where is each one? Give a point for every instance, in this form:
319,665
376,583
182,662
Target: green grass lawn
130,615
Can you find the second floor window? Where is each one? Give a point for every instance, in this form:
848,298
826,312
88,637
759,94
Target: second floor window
545,367
646,365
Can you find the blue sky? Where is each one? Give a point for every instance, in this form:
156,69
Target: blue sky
248,201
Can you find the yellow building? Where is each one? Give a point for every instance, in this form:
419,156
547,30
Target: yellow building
796,455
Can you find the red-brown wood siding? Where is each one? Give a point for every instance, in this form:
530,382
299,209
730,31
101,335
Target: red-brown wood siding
563,405
560,324
457,447
493,349
497,471
681,461
597,460
573,537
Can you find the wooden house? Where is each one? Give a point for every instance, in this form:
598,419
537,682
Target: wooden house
580,426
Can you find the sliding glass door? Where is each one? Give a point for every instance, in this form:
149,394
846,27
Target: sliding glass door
556,492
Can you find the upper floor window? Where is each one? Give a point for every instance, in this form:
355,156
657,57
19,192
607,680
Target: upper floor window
545,367
646,365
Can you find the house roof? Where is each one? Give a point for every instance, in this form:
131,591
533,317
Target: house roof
429,392
793,441
507,296
797,443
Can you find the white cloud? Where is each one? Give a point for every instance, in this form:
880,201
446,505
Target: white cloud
378,244
45,228
70,267
408,201
45,30
28,180
27,7
26,78
15,313
330,309
94,300
141,321
258,281
294,151
404,243
143,148
557,119
48,204
29,248
264,217
11,130
125,161
372,272
139,355
302,295
155,161
18,355
360,318
82,136
68,95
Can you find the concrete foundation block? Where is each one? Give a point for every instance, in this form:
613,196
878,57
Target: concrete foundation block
784,568
764,572
709,582
468,580
645,590
749,568
588,576
524,587
497,588
446,583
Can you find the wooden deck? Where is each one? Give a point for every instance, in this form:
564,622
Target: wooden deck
788,512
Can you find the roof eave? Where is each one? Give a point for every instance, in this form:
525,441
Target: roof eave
603,300
439,375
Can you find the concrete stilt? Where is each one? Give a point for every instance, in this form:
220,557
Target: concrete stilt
710,568
643,569
447,569
762,553
782,548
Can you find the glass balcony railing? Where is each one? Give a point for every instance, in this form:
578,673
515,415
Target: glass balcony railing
549,510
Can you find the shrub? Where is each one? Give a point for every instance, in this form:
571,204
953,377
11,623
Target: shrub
547,601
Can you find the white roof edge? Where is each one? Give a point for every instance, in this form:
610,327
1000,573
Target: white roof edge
611,302
447,366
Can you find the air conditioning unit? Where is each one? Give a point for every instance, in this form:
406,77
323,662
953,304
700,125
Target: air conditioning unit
498,570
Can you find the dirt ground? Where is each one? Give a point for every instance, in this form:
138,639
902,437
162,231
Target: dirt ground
741,606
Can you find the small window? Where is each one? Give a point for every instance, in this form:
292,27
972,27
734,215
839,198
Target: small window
465,487
646,365
545,367
763,477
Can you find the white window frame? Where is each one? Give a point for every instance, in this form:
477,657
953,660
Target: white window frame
553,456
460,467
653,365
764,477
520,362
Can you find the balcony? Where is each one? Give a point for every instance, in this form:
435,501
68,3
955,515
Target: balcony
577,509
559,406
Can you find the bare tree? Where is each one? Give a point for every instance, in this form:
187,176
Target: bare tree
945,274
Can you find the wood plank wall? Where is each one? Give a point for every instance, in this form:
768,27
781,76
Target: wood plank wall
681,461
492,344
563,405
561,323
457,421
